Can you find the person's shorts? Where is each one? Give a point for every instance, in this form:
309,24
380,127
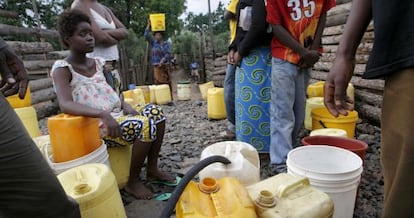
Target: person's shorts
142,127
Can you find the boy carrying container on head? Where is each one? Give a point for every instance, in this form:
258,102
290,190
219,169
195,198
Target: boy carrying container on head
297,27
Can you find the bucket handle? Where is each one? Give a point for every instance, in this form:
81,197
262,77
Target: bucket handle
46,155
322,124
281,191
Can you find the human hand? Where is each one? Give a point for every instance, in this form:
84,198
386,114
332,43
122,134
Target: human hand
112,127
148,23
128,109
309,58
230,57
237,58
335,98
14,76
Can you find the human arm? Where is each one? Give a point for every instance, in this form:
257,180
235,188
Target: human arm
166,48
147,34
14,76
61,78
307,57
120,32
340,74
257,29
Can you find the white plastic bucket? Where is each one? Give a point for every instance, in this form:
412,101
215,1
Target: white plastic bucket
333,170
100,155
245,162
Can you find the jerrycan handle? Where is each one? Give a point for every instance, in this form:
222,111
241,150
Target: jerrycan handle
281,191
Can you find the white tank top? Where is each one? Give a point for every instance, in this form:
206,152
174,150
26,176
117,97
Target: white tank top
107,53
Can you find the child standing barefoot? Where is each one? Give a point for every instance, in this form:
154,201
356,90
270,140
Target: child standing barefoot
82,90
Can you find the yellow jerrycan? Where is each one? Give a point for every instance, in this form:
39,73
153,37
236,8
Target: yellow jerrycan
212,198
94,187
285,195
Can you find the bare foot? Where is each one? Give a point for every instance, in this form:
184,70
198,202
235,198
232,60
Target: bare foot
158,175
138,190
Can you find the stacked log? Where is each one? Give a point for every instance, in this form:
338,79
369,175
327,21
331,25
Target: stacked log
368,93
38,58
43,98
219,72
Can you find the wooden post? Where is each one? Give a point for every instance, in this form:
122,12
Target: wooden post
202,63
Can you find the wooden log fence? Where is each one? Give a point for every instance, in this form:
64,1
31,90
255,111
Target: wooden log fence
42,33
368,93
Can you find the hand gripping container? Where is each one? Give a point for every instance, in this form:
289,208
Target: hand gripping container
285,195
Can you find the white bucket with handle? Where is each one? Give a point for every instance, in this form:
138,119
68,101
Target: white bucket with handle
335,171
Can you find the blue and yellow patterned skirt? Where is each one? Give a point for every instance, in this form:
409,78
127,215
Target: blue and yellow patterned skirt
253,87
142,127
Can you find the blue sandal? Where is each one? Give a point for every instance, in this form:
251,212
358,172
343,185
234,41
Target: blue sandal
167,183
163,196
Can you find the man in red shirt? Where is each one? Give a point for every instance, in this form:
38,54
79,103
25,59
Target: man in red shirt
297,28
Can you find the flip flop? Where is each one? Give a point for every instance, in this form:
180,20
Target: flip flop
163,196
167,183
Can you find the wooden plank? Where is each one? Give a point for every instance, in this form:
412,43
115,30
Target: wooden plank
336,19
8,14
38,65
364,48
374,84
330,57
367,97
339,2
30,47
43,95
46,109
58,54
333,30
344,8
326,66
13,30
335,39
368,112
39,84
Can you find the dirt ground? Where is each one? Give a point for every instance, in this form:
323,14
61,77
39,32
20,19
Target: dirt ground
189,131
153,208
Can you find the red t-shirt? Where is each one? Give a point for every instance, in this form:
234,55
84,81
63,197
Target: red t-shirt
300,18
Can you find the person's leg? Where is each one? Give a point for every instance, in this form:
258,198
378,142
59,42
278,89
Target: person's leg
152,163
155,114
397,144
302,81
134,185
28,186
140,132
229,96
281,110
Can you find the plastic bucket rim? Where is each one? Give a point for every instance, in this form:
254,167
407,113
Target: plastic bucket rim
327,178
99,150
364,148
350,153
351,117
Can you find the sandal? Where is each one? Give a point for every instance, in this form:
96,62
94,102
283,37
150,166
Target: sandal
167,183
162,196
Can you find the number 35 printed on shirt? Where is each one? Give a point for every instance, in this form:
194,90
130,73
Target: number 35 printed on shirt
301,8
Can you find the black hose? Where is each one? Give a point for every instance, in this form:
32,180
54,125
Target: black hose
169,208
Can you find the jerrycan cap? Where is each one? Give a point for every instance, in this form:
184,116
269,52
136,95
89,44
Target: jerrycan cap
266,199
82,189
208,185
